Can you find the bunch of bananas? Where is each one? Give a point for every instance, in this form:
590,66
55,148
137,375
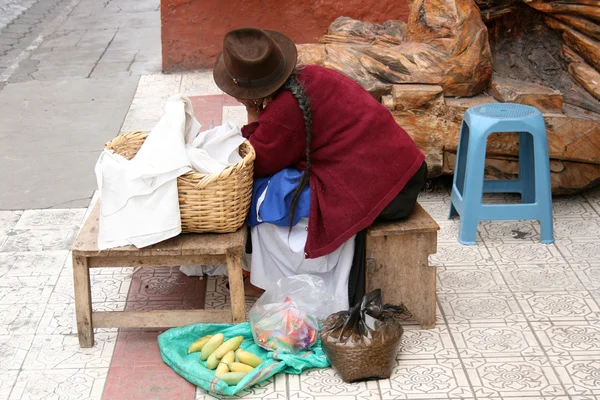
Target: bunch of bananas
231,362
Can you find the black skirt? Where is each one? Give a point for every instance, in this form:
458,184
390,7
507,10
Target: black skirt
398,209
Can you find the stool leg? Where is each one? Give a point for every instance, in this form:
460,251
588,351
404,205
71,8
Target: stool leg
526,167
83,301
236,286
473,190
543,188
460,166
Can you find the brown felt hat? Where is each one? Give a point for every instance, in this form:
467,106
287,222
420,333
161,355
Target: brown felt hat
254,63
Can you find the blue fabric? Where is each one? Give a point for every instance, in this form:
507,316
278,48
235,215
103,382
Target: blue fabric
277,205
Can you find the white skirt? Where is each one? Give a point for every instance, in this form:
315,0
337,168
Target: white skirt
279,253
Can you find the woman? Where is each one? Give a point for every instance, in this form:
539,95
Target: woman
355,161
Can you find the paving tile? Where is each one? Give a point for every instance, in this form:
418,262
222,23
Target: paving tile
491,340
165,286
540,277
579,374
8,219
7,381
136,349
32,263
273,388
572,207
480,308
217,295
449,254
448,232
439,210
146,382
524,253
577,229
327,384
581,250
199,84
572,338
426,379
588,273
51,219
559,306
109,287
513,377
39,240
509,231
63,352
417,343
26,289
470,279
60,384
14,349
235,114
20,318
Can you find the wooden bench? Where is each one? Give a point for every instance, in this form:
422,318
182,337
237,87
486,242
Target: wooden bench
397,262
186,249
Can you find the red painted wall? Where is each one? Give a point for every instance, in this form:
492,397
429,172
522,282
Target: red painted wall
193,30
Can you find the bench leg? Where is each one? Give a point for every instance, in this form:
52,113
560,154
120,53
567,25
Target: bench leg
236,287
399,266
83,301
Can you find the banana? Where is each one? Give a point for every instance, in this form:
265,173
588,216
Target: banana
199,344
211,346
222,369
248,358
239,367
229,345
212,361
229,357
236,354
233,378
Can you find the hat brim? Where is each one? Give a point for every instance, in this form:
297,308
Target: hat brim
226,84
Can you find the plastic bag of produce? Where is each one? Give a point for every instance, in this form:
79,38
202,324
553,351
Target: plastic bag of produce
286,317
362,343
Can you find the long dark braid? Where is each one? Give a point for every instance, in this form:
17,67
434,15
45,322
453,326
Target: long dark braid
295,87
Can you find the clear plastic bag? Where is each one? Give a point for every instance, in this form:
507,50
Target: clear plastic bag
286,317
362,343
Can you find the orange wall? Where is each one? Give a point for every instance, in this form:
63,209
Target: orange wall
193,30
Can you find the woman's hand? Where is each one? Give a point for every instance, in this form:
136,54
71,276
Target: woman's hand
252,108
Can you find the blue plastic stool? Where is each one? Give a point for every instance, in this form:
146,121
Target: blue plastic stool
534,170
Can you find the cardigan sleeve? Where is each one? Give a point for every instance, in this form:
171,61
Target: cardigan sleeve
276,146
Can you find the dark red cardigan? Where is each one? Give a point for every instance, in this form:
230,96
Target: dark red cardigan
361,159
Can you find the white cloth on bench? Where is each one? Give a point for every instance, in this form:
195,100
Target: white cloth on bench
139,203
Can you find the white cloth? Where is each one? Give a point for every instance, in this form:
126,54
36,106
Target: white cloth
139,202
279,253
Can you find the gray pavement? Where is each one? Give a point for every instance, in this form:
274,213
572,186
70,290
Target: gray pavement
68,73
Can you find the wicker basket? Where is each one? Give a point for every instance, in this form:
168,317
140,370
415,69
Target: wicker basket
215,203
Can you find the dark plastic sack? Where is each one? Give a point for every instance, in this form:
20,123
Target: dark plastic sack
362,343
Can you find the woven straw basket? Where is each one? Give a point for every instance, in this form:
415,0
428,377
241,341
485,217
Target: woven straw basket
216,203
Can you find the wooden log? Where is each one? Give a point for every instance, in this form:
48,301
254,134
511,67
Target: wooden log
586,47
566,177
573,141
311,53
583,25
521,92
583,10
585,75
446,44
462,104
414,97
532,53
492,9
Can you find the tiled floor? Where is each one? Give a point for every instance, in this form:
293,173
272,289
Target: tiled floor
516,319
